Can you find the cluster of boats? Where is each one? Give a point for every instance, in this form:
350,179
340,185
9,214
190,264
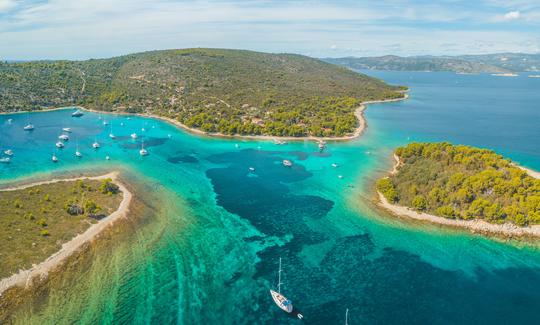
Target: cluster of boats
64,137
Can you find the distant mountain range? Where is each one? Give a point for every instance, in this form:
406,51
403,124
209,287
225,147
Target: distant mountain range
486,63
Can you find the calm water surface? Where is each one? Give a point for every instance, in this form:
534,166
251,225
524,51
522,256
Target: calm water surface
207,248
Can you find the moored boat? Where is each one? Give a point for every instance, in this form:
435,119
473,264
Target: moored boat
77,113
287,163
66,130
54,158
8,152
29,127
5,160
281,301
60,144
63,137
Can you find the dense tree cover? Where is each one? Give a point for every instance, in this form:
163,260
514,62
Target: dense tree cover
226,91
463,182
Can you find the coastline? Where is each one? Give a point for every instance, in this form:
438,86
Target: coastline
359,113
475,226
24,277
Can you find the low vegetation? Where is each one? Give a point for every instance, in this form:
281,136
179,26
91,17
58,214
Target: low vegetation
462,182
36,221
214,90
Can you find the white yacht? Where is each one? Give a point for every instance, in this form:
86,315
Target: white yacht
95,145
63,137
5,160
59,144
8,152
287,163
54,158
29,127
252,169
77,113
281,301
134,135
107,158
335,165
111,135
68,130
78,153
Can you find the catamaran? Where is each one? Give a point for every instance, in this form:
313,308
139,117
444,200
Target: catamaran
280,300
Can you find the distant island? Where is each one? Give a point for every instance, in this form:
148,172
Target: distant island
43,223
502,63
216,91
462,186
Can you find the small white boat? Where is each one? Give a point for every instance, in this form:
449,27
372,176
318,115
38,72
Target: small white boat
9,120
112,136
105,123
122,124
54,158
340,176
8,152
169,136
5,160
281,301
287,163
143,129
60,144
321,145
252,169
63,137
68,130
95,145
107,158
77,113
335,165
134,135
29,127
78,153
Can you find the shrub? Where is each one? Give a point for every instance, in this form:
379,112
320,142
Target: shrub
44,232
419,203
42,222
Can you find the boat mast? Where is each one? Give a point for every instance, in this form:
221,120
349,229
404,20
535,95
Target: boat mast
279,277
347,316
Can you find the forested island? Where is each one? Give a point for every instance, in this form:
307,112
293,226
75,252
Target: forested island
213,90
498,63
36,220
462,183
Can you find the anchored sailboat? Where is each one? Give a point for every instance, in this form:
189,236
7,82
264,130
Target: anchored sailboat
143,152
280,300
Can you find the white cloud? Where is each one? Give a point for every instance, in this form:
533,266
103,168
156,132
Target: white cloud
512,15
5,5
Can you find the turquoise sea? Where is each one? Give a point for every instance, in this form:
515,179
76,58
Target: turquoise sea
206,235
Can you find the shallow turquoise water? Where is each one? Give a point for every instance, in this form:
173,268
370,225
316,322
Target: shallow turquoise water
207,251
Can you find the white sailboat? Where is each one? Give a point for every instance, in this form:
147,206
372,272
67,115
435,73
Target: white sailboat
287,163
143,152
95,145
54,158
63,137
111,134
29,126
5,160
78,153
134,135
68,130
280,300
8,152
77,113
60,144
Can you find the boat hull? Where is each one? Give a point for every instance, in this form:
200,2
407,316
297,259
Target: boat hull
282,302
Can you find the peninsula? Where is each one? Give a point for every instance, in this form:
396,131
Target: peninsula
462,186
43,223
214,91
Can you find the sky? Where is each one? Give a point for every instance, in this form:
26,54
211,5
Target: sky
82,29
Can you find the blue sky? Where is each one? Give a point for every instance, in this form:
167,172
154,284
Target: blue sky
80,29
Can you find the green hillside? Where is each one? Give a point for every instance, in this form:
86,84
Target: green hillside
226,91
